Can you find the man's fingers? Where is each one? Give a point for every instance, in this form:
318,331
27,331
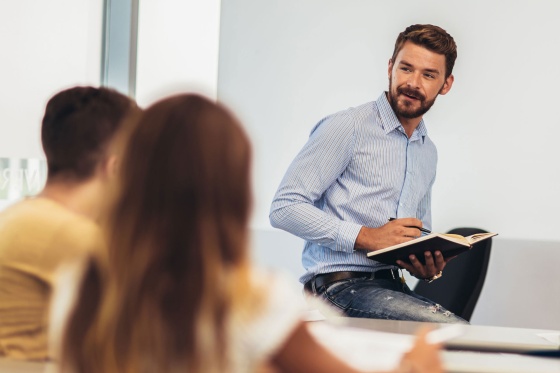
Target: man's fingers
440,261
430,265
419,269
406,227
434,263
409,267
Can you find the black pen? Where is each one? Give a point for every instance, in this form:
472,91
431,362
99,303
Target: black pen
421,229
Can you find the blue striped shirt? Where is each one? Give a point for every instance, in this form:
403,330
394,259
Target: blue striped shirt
357,169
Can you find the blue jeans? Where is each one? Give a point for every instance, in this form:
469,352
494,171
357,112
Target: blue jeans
384,299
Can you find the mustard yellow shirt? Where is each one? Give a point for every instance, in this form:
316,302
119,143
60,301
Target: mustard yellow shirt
36,236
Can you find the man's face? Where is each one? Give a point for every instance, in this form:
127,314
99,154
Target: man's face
416,77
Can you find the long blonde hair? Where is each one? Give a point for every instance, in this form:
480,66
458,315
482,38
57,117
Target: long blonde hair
177,236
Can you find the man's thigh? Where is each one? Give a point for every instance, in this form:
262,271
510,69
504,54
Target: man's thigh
385,299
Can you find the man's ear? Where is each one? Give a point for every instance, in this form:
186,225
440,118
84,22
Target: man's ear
390,68
447,85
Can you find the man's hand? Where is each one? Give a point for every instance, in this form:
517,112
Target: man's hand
394,232
429,270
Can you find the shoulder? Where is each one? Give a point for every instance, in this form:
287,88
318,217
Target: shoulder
43,222
38,211
345,123
348,117
271,324
428,141
280,287
39,221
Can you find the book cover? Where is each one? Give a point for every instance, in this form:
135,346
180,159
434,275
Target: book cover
449,244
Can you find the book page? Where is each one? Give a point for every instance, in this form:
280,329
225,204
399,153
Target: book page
472,239
456,237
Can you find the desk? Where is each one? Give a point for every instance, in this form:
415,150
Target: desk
485,340
492,362
481,349
476,337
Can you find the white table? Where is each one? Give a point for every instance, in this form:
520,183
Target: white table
476,337
482,349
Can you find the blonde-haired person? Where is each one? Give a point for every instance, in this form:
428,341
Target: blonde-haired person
178,292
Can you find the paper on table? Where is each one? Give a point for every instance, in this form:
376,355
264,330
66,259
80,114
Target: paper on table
488,362
363,349
313,315
552,337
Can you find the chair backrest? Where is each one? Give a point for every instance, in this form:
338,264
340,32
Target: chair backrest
460,286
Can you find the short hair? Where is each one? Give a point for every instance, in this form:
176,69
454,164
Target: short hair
77,127
431,37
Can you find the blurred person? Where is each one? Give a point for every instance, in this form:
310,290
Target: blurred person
177,292
39,233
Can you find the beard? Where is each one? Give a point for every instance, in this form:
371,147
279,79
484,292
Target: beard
406,109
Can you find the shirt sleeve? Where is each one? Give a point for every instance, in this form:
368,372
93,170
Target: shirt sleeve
296,207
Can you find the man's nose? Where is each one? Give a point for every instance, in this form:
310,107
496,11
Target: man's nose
413,81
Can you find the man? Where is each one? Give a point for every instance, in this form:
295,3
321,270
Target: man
361,167
38,234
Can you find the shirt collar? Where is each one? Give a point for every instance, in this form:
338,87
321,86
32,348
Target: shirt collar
390,122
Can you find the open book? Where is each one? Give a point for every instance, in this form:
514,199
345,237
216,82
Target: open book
449,245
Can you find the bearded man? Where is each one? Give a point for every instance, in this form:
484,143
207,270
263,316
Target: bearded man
359,168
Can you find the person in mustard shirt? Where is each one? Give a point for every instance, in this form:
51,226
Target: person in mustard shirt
38,234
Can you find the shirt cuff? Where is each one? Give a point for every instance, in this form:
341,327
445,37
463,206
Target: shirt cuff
347,234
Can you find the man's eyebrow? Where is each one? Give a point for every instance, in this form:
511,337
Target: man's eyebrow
433,71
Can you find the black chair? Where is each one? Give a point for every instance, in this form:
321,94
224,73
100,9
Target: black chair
463,277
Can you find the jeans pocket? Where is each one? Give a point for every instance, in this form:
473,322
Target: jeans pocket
335,288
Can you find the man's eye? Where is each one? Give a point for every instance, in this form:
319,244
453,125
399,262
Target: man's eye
429,76
405,69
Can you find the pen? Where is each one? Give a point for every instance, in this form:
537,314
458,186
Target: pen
421,229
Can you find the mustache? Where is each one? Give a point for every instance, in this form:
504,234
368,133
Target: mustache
411,92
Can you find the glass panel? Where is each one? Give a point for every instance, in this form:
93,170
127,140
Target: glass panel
21,177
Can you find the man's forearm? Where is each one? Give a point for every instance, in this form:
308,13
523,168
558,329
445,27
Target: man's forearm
311,224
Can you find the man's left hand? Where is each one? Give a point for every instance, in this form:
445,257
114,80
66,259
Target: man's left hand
432,267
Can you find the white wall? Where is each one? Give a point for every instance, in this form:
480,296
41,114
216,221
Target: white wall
284,65
47,46
177,48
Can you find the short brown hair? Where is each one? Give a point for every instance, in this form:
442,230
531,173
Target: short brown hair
77,127
431,37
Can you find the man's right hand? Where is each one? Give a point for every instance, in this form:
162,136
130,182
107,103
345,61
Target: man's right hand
394,232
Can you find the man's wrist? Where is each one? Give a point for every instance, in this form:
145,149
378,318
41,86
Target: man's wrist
434,277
